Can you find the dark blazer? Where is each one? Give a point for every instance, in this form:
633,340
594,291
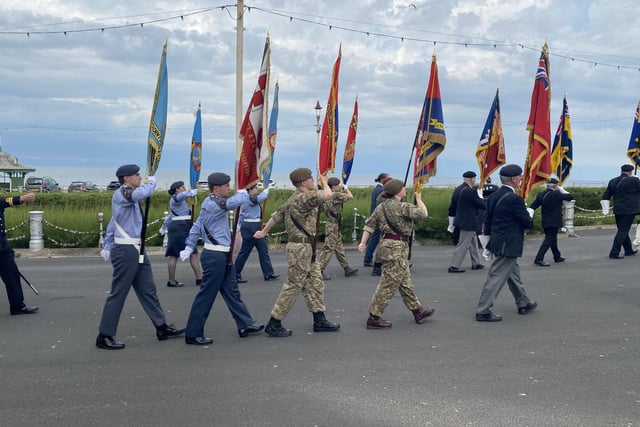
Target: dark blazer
507,218
468,210
625,191
374,196
454,198
551,202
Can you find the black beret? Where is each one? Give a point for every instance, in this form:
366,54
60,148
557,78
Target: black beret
381,177
511,171
469,174
175,186
218,178
553,181
299,175
393,187
127,170
627,168
333,181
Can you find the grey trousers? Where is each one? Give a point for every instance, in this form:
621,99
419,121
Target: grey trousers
503,270
127,274
468,241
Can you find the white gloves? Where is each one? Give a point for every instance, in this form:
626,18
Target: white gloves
243,190
486,253
163,230
266,191
562,190
151,179
193,193
344,187
605,207
480,193
105,254
185,254
531,211
450,228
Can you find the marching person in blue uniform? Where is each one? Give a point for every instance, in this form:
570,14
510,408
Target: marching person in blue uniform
250,220
507,218
177,224
122,246
8,268
212,226
382,179
625,190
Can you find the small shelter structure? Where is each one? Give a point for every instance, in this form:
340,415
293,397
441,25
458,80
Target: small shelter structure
12,173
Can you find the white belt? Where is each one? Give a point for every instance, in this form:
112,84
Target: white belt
219,248
180,218
251,220
126,241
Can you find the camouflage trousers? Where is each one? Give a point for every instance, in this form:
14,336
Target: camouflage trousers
303,277
395,276
332,244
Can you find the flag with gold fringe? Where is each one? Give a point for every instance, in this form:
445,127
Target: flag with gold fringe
633,150
266,154
158,122
490,152
329,135
562,153
195,163
350,147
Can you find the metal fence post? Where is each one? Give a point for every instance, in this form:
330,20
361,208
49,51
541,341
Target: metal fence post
36,242
101,221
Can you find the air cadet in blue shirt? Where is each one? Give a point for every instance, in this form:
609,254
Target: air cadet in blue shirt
212,226
122,245
250,219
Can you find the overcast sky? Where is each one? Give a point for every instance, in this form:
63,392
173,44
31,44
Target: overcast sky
84,99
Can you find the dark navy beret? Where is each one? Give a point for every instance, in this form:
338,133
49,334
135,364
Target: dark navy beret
127,170
175,186
218,178
627,168
511,171
469,174
553,181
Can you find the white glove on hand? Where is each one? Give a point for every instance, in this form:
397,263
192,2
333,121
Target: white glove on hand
605,207
151,179
480,193
192,193
266,191
244,190
487,255
344,187
484,240
531,211
450,228
163,231
185,254
562,190
105,254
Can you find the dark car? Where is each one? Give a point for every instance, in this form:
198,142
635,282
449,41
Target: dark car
82,186
113,185
44,185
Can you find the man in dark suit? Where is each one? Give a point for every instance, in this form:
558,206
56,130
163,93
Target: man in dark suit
380,181
507,218
625,190
467,222
551,203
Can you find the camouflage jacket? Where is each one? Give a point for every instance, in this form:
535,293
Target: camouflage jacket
300,209
333,207
402,215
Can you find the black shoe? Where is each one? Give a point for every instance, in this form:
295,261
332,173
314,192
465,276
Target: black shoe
168,331
616,257
527,308
324,276
251,329
241,280
276,330
477,266
325,326
456,270
198,340
24,310
174,284
198,282
108,343
368,264
488,317
559,259
350,271
630,253
272,277
541,263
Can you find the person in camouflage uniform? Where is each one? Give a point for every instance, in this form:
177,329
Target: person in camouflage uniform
395,220
333,235
299,214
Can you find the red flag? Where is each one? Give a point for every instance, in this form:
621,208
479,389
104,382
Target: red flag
329,136
252,126
537,167
490,152
350,148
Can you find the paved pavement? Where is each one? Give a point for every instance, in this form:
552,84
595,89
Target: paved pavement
573,362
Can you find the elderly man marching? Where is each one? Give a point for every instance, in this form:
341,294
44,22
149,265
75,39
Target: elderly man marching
299,214
625,190
395,220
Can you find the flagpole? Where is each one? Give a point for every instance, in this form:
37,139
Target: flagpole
314,244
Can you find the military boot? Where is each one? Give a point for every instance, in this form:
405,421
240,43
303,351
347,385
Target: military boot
377,322
324,276
348,271
321,324
420,314
274,328
377,269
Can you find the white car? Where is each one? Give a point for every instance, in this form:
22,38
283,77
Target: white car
271,184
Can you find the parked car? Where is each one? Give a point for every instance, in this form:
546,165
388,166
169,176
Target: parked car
271,184
113,185
45,184
82,186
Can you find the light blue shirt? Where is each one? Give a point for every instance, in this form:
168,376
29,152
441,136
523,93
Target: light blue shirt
214,218
125,210
178,206
251,208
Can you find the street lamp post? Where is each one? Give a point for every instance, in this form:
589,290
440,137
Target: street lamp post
318,109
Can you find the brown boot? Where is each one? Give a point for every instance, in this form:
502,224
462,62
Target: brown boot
377,322
421,314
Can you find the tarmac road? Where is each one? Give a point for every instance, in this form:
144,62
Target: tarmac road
572,362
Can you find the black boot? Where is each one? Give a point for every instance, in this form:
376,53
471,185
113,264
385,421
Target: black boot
165,331
321,324
377,269
274,328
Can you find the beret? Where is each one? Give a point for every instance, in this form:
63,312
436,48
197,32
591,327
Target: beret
381,177
299,175
627,168
469,174
175,186
127,170
393,187
333,181
553,181
511,171
218,178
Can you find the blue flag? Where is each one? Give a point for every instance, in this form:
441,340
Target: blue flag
562,153
266,156
158,123
633,151
196,151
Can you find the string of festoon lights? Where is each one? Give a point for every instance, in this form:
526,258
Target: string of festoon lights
326,22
